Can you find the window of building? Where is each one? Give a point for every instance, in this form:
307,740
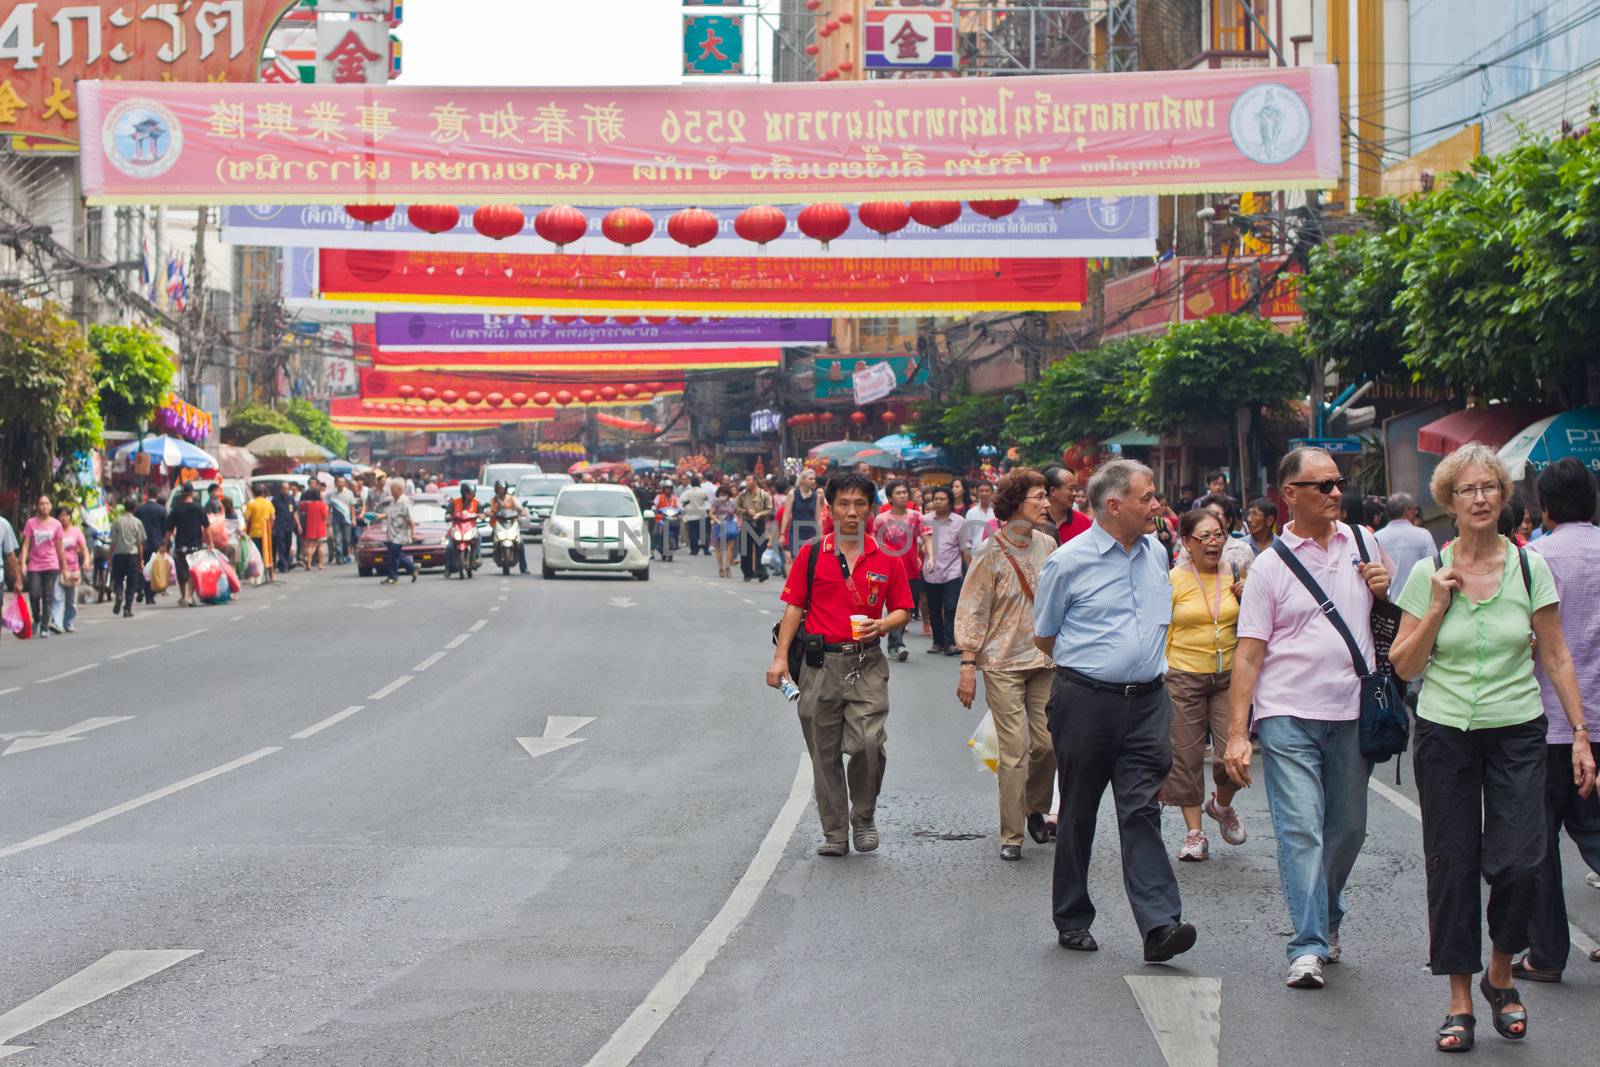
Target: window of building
1231,29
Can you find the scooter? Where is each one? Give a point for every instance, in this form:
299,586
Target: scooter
507,541
666,531
463,548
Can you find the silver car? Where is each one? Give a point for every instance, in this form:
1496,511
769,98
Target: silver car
537,492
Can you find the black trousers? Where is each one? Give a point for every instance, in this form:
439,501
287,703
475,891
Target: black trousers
751,545
283,548
693,526
1124,742
127,578
1482,798
942,600
1549,941
143,586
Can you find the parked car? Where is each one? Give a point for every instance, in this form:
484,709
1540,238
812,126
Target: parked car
597,528
510,473
427,549
537,492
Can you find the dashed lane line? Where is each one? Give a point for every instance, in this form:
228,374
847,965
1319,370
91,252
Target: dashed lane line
236,618
185,637
331,720
52,836
8,692
764,611
135,651
495,608
67,674
747,600
430,661
457,641
391,687
475,627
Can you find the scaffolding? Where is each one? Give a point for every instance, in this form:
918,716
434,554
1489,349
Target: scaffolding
1001,37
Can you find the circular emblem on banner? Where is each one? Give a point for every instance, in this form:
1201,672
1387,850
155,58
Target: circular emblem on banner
142,138
1110,213
1269,123
264,212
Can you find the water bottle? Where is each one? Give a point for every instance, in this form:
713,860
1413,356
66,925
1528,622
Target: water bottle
790,691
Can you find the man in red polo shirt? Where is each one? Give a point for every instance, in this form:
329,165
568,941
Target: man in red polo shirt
844,699
1067,521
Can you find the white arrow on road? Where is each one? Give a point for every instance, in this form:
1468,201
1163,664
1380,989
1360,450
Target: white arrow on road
109,974
376,605
28,740
558,731
622,602
1184,1014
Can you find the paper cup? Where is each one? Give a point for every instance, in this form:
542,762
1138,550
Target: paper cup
856,622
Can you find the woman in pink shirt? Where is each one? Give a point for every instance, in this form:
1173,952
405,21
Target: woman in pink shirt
76,561
41,559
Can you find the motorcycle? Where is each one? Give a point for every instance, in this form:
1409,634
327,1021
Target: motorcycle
462,554
666,531
507,541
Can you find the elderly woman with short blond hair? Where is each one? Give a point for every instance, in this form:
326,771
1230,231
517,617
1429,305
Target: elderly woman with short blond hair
1469,617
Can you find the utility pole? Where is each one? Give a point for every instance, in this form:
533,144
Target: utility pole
197,305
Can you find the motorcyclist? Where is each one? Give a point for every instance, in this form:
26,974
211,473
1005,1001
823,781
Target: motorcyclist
506,505
666,529
466,507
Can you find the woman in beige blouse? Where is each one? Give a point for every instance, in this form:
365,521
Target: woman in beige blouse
994,633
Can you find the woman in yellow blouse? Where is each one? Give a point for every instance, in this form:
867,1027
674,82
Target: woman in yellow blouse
1200,641
258,515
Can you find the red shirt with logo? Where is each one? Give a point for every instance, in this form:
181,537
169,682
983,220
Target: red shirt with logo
878,579
1074,524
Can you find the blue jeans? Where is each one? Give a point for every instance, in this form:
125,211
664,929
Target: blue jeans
64,611
393,553
1317,793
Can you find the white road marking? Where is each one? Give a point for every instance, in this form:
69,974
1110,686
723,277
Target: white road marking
1580,937
565,725
135,651
558,731
111,973
637,1030
457,641
747,600
377,605
502,598
475,627
235,618
543,746
622,602
495,608
1184,1014
282,596
390,688
185,637
28,740
764,611
51,836
264,607
430,661
67,674
331,720
13,689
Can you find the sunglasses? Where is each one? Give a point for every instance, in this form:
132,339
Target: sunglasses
1326,486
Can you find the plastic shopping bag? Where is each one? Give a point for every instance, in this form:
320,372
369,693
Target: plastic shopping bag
985,744
253,567
158,572
18,618
206,574
772,559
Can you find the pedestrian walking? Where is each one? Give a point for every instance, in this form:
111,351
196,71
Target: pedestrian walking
842,596
994,634
399,530
1403,538
314,527
900,531
1481,751
944,561
9,547
1064,518
187,531
42,552
259,516
1261,524
1200,643
958,496
1101,613
341,520
724,530
76,561
980,517
285,526
154,516
1567,495
800,513
127,555
696,501
1292,666
754,507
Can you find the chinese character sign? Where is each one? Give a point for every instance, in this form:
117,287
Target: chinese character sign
352,53
713,44
897,38
48,45
1073,135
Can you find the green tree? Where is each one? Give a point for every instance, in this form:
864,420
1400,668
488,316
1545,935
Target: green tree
1076,398
49,407
249,421
134,374
314,424
1202,373
960,424
1349,295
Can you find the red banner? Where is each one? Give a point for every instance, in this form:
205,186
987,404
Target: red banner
1169,131
348,413
487,394
640,285
592,366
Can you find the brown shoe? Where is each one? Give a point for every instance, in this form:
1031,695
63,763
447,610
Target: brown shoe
865,832
1521,968
833,848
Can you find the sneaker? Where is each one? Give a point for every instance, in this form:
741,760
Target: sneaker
1335,953
1593,879
1305,973
1195,847
1227,819
56,629
71,629
901,655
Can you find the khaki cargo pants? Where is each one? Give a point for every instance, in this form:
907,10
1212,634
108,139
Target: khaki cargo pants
844,716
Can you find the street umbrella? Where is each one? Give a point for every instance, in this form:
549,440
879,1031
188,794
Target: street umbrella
644,463
840,452
911,450
236,462
878,458
1571,433
289,446
169,452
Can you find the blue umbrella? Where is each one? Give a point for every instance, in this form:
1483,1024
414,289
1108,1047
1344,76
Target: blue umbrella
1571,433
168,451
909,449
643,463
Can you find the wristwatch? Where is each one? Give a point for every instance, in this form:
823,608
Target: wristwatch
1581,728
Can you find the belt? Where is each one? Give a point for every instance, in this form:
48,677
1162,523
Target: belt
1121,689
852,647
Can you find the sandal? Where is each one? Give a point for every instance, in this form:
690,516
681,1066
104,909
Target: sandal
1462,1029
1504,1020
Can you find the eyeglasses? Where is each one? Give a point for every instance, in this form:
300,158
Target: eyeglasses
1326,486
1469,492
1038,494
1210,538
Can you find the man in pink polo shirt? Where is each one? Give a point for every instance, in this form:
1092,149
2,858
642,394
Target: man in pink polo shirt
1291,663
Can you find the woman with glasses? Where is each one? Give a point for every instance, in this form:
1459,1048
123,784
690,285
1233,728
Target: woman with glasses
1200,642
1473,616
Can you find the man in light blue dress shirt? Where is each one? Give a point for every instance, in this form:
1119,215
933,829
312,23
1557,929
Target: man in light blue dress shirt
1101,612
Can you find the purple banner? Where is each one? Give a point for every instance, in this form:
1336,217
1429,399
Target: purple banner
400,332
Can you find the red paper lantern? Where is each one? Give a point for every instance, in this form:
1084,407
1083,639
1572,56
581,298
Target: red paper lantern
658,320
608,392
889,418
994,209
428,392
474,397
936,214
830,75
563,398
596,320
630,390
812,49
846,65
831,26
846,17
654,387
496,400
498,221
449,396
824,222
813,5
760,224
564,320
884,216
624,320
368,405
542,398
407,391
858,418
519,399
561,225
434,218
627,226
586,396
368,214
693,227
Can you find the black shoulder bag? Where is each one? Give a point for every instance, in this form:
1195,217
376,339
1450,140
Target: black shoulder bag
1385,728
806,647
1385,618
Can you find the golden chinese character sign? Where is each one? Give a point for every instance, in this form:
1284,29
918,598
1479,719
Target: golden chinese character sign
48,45
1068,135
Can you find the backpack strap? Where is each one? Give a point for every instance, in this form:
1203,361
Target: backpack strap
1324,603
1527,575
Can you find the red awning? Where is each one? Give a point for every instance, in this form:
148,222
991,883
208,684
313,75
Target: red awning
1493,426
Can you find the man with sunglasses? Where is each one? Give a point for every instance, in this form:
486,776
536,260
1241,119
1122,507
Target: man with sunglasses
1292,667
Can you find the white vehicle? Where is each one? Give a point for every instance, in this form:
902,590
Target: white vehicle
597,528
510,473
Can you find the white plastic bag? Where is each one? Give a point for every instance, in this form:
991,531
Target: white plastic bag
985,745
772,559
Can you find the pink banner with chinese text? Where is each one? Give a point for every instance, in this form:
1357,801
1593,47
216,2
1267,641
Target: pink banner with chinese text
1054,136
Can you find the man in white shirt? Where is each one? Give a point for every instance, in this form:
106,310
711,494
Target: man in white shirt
1406,542
696,503
979,516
